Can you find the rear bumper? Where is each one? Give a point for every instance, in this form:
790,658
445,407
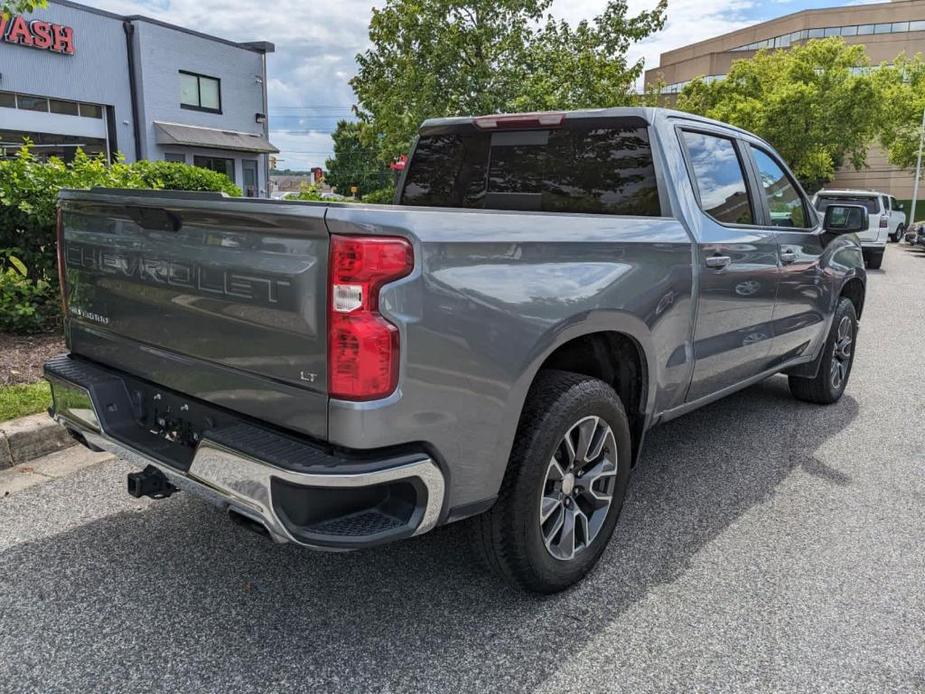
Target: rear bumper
299,492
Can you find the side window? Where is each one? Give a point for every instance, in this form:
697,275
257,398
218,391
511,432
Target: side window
886,203
784,200
719,178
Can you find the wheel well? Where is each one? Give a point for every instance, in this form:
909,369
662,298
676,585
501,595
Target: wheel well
616,359
854,291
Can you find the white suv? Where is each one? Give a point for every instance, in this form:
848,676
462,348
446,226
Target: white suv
887,219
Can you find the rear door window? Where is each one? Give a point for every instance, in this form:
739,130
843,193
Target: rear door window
719,177
600,169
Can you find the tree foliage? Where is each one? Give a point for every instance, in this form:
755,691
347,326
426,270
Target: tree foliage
356,162
810,103
902,97
585,66
438,58
9,7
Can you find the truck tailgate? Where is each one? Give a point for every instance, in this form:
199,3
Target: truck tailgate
219,299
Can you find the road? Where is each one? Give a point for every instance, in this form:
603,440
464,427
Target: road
765,544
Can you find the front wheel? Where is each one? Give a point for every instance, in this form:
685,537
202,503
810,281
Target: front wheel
900,233
837,359
564,486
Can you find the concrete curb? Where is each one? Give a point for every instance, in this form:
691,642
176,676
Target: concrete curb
28,438
48,468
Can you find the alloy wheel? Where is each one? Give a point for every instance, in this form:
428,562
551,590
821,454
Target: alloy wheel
841,352
578,488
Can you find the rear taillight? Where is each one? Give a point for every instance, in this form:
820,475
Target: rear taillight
62,268
363,347
884,222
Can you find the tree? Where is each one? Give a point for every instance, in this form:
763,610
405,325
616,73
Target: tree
9,7
812,103
902,95
437,58
585,66
356,162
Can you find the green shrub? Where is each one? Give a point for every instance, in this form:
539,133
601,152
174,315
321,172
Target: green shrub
28,197
25,304
383,196
169,175
308,193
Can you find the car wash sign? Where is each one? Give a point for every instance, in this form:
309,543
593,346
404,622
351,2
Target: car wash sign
36,33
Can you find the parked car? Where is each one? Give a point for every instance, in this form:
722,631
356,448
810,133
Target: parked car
887,219
917,236
494,348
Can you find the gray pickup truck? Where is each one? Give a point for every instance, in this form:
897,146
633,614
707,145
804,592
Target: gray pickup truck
493,348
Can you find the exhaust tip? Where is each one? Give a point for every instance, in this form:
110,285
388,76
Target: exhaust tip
249,523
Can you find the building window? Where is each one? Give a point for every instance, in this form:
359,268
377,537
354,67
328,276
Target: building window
200,92
65,108
32,103
917,26
91,110
899,27
176,157
882,28
225,166
7,100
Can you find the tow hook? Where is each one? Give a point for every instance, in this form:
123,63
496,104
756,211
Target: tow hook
150,482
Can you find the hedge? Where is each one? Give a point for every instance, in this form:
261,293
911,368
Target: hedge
28,196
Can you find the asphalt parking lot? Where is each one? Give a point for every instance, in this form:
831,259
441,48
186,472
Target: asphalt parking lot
766,544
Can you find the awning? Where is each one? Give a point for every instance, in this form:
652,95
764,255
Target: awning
212,138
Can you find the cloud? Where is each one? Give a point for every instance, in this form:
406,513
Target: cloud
316,44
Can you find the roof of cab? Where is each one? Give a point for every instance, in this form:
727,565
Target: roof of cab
649,114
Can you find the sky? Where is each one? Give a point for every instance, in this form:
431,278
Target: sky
316,43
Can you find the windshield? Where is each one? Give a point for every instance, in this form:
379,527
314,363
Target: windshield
578,168
872,205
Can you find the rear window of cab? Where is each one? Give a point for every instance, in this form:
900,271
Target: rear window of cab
596,168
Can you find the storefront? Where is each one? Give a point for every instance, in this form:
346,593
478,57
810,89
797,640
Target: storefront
74,77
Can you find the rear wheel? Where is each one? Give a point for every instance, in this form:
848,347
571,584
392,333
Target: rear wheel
837,359
900,233
564,486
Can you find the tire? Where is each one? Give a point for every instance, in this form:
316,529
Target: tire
900,233
510,538
875,260
837,359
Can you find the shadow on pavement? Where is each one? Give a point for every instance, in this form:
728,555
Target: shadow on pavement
176,597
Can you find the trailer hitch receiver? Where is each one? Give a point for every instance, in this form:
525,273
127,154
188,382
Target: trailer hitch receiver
150,482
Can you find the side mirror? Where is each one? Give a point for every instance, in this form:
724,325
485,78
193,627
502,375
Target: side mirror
845,219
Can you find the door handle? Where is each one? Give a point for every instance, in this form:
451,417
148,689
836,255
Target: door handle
787,257
718,262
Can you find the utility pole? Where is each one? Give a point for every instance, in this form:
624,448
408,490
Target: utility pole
918,172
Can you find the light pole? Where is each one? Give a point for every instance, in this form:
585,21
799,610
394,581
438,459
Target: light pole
918,173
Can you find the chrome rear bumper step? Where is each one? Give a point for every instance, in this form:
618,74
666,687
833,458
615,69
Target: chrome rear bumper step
319,499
